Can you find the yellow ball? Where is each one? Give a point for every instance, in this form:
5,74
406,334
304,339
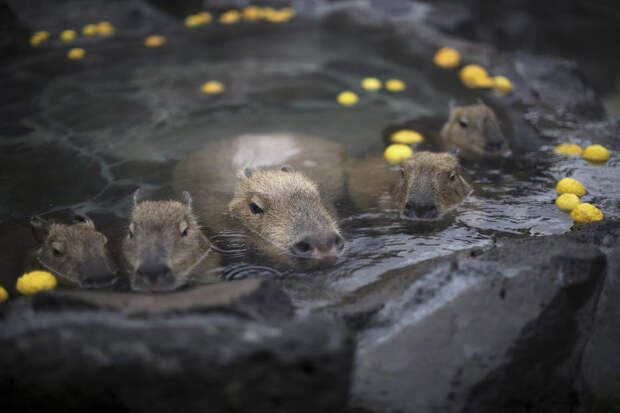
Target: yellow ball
4,295
397,152
371,83
586,213
407,137
475,76
395,85
596,154
279,16
68,35
567,202
230,17
39,37
570,186
347,98
154,41
447,58
76,53
36,281
89,30
568,149
212,87
104,29
252,13
502,85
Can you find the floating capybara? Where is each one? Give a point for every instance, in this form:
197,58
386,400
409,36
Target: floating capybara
75,253
164,244
279,186
473,130
423,187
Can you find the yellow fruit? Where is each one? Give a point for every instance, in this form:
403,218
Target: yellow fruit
35,281
395,85
568,149
76,53
154,41
198,19
447,58
502,85
596,154
279,16
104,29
4,295
371,83
230,17
89,30
39,37
567,202
68,35
252,13
570,186
406,136
586,213
397,152
212,87
347,98
475,76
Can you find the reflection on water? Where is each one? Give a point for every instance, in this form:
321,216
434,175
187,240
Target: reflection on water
103,127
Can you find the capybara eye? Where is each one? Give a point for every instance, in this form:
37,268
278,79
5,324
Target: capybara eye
184,228
463,122
255,208
56,252
452,175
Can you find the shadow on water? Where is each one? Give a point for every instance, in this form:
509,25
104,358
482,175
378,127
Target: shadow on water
122,119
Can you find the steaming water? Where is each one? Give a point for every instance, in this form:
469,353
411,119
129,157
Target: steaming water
84,135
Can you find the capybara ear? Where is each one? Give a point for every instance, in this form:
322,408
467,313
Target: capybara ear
40,228
136,197
287,168
83,219
187,201
247,172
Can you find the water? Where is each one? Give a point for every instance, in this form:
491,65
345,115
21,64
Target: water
84,135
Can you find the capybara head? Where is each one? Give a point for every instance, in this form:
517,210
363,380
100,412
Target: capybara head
164,243
285,208
474,130
429,185
76,253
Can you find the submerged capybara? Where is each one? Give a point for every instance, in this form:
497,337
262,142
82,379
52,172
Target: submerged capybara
279,186
164,244
473,130
423,187
75,253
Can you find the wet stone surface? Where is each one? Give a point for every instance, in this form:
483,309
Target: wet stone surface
501,306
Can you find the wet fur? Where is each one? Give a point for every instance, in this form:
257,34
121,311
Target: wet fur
470,140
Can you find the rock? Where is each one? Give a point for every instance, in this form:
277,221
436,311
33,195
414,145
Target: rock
75,360
600,366
254,299
479,331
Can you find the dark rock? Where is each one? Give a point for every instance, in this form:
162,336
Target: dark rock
499,329
80,361
253,298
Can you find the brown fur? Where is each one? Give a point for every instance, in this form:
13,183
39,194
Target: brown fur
291,204
425,176
473,130
66,251
170,228
436,176
295,204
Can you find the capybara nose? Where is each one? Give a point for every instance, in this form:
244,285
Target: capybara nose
155,275
319,247
96,274
494,146
98,280
425,210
